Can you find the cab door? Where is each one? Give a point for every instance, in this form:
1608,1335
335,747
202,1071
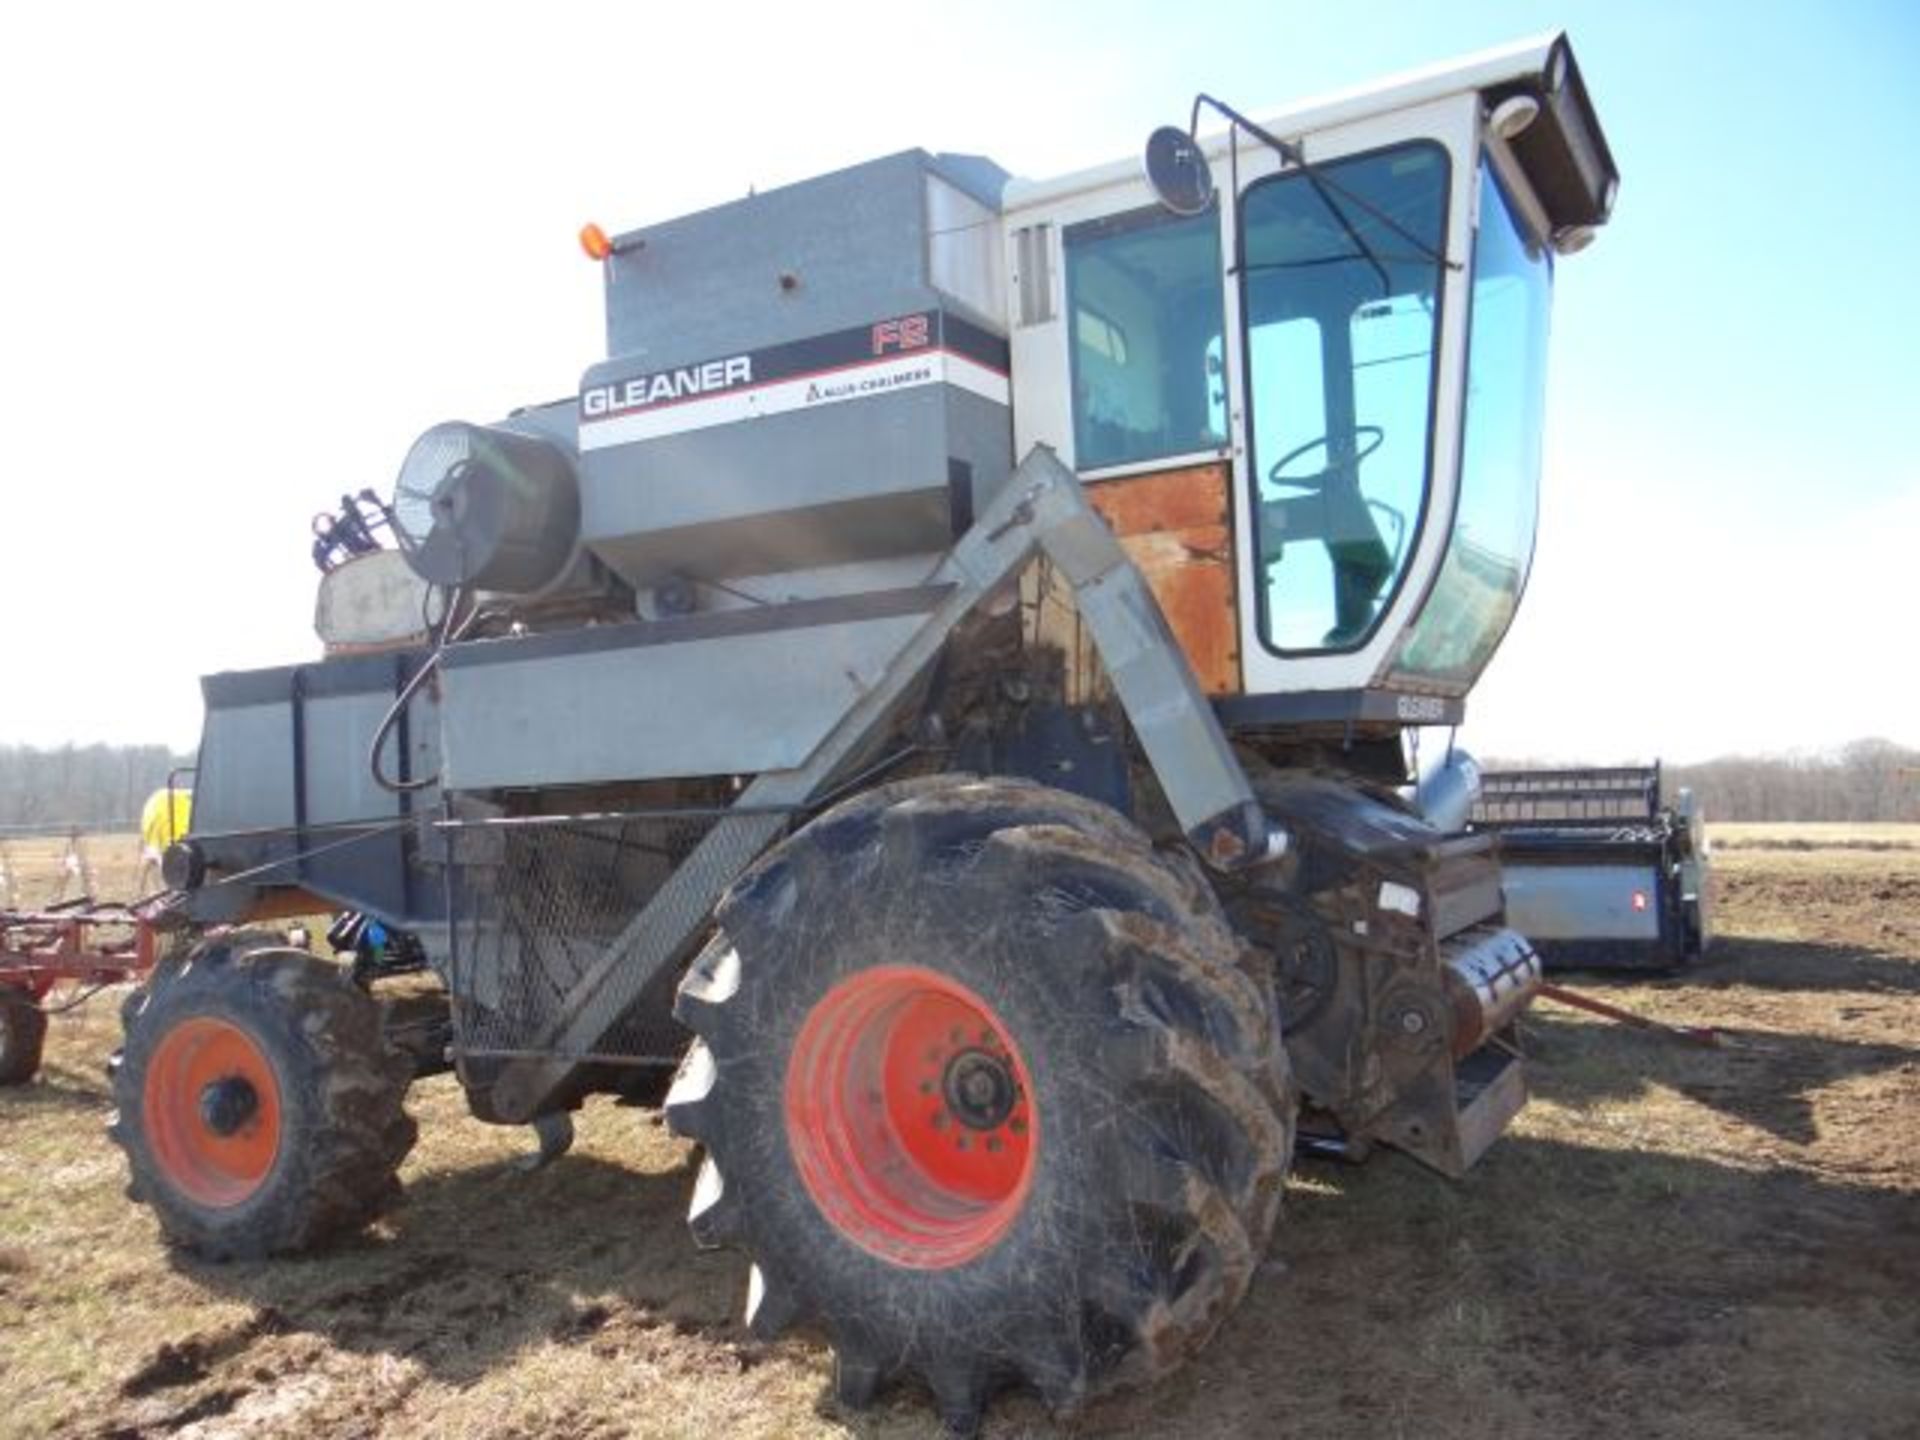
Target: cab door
1347,316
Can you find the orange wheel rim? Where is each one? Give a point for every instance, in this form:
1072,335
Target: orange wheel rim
212,1109
910,1117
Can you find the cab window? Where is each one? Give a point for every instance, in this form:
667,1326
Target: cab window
1491,548
1144,308
1341,288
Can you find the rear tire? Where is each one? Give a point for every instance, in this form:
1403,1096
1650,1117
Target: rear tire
23,1035
1013,972
259,1104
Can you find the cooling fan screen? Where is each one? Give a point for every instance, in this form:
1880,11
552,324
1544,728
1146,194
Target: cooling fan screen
488,507
436,457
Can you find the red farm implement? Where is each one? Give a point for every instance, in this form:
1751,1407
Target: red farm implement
85,944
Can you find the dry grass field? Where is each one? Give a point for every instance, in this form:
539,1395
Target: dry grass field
1675,1241
38,871
1818,835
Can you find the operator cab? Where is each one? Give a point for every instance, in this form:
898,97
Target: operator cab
1334,325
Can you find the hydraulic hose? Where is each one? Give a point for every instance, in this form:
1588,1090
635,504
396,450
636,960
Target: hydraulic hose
450,633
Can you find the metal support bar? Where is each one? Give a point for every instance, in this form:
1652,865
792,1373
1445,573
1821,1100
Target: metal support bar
1167,708
1041,510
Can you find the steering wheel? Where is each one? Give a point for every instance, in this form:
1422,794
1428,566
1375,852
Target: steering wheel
1371,437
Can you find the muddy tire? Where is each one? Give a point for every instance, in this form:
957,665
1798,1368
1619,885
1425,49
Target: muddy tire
258,1103
986,1095
23,1035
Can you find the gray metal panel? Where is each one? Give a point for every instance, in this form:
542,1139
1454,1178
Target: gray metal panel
734,704
857,481
1582,902
1470,896
854,242
244,751
249,757
1487,1107
284,782
841,479
339,781
980,433
978,175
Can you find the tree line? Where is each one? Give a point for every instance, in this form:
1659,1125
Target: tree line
92,787
1868,781
85,787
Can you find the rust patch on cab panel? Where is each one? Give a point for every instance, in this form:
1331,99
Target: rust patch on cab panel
1178,527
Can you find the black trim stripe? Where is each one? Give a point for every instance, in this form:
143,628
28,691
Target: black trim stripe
964,338
1304,707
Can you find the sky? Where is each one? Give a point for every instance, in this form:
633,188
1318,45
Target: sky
249,252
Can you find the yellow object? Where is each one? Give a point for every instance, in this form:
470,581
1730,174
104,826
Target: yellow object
162,823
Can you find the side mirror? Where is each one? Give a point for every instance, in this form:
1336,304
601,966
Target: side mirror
1177,170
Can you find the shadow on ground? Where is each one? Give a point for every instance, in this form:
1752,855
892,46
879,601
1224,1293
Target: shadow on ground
480,1263
1804,967
1751,962
1764,1079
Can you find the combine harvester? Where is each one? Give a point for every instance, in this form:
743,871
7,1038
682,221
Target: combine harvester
1598,873
926,709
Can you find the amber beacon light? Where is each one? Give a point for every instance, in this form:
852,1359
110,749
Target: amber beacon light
594,241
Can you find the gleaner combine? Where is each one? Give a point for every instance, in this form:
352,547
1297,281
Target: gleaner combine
950,662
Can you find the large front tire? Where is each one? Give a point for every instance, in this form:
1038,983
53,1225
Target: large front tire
986,1095
259,1104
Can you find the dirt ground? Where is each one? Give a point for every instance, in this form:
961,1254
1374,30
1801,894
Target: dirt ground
1673,1241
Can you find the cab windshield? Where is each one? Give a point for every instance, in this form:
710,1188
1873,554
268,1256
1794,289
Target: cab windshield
1340,291
1491,547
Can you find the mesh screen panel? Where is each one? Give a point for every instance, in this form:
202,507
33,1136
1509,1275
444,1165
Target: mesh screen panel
538,906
